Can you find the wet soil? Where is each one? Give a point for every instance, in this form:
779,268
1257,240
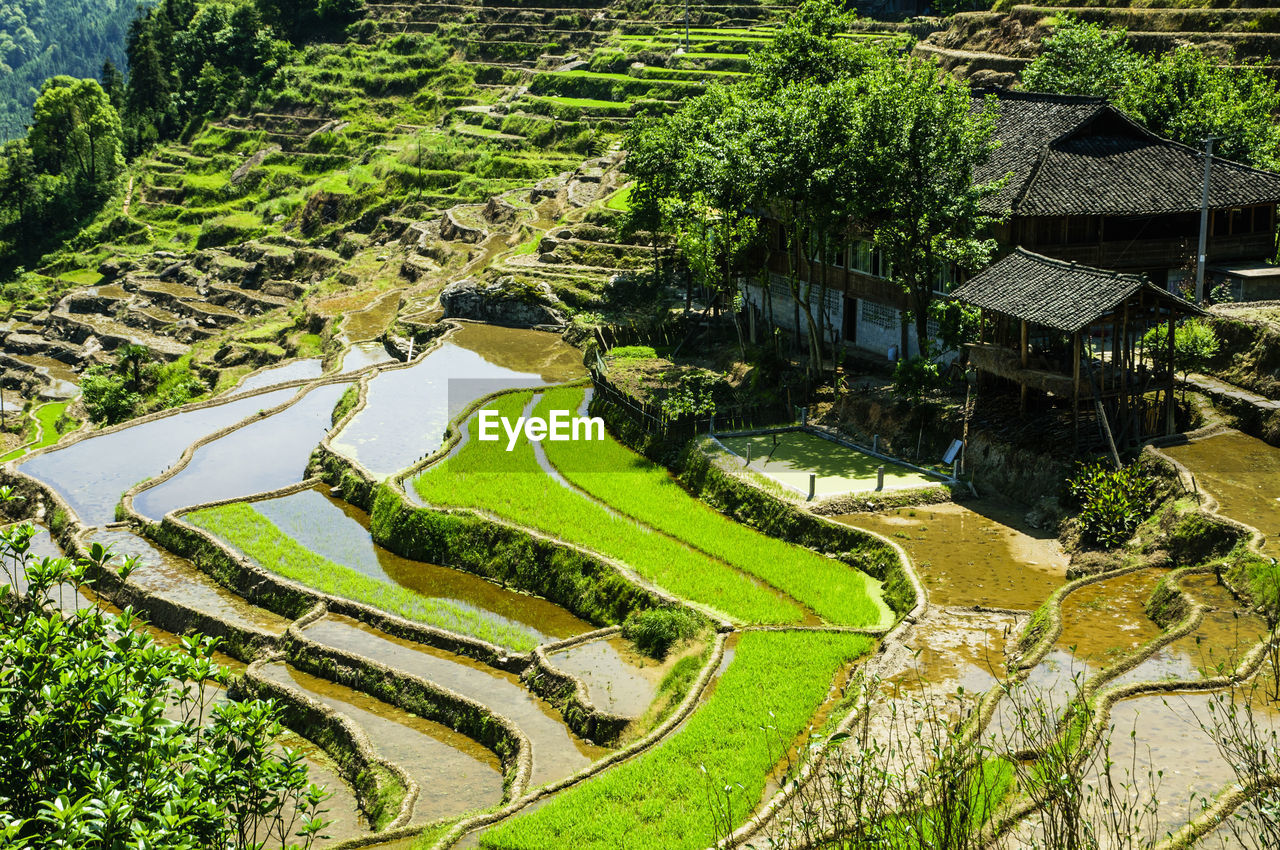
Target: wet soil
557,752
976,553
618,678
1243,474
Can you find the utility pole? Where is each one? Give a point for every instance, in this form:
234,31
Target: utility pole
686,26
1204,219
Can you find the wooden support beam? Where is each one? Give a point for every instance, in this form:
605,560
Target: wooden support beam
1022,348
1169,426
1075,387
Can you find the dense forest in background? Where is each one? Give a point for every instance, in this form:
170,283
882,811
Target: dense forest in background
43,38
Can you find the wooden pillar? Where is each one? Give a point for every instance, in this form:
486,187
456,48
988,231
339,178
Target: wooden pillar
1169,426
1075,387
1022,348
1122,349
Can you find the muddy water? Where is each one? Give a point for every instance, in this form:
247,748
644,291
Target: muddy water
340,532
408,409
294,370
1105,621
978,553
370,322
168,576
618,678
264,455
63,380
1243,474
1215,648
362,355
454,773
92,473
557,752
1169,735
347,821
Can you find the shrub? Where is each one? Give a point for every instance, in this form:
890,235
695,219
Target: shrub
656,630
916,376
1113,502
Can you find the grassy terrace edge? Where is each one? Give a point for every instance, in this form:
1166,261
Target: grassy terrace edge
245,529
482,476
633,485
786,674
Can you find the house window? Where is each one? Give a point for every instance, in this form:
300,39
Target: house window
946,279
869,259
879,315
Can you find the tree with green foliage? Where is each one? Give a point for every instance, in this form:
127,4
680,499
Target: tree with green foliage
1184,94
1195,343
1083,58
76,133
131,358
109,739
807,48
918,144
106,395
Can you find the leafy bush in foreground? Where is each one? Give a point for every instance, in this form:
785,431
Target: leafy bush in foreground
108,739
1113,502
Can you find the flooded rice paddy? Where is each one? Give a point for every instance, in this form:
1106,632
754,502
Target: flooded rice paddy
340,532
453,772
557,752
92,474
1243,475
264,455
618,679
167,576
976,553
294,370
407,410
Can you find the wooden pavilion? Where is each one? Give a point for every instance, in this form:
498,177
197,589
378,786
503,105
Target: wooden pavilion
1077,332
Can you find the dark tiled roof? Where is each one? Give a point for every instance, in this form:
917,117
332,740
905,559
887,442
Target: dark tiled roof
1054,293
1080,156
1025,125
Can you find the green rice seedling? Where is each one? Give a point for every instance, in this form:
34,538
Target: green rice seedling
634,486
673,796
258,538
482,475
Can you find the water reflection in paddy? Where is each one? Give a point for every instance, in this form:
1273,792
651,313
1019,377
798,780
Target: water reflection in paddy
92,473
618,679
264,455
165,575
362,355
557,752
454,773
408,409
294,370
1216,647
977,553
340,532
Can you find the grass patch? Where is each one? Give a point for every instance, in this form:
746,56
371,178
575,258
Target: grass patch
252,533
661,799
512,484
47,417
620,200
635,486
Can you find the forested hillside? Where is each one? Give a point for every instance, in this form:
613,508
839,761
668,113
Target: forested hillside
43,38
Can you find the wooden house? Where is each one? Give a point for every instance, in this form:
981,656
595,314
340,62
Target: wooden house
1085,184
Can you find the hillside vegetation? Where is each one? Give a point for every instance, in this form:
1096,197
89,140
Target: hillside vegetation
45,38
